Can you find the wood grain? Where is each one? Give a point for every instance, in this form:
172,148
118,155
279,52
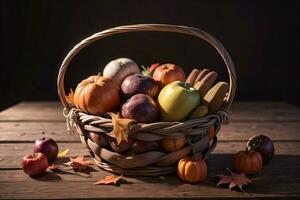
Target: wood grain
171,187
242,112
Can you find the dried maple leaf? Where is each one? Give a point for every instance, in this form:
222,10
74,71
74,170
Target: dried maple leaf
78,163
234,180
109,180
54,167
121,127
70,97
63,153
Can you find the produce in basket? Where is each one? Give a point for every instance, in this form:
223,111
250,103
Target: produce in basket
140,146
137,83
199,112
192,171
173,144
168,73
119,69
206,83
122,147
177,100
214,98
97,95
141,108
101,139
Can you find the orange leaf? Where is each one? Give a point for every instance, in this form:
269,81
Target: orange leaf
234,180
70,97
109,180
54,167
121,127
78,163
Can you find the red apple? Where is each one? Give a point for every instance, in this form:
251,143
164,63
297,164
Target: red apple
101,139
35,164
140,107
139,84
46,146
140,146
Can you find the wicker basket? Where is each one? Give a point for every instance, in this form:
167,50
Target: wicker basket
151,163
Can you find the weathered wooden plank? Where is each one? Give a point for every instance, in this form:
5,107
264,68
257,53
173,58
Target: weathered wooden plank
277,186
34,111
242,111
30,131
264,111
287,154
284,131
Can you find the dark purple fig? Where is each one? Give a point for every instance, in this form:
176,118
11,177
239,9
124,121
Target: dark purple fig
122,147
139,84
141,108
46,146
101,139
263,145
140,146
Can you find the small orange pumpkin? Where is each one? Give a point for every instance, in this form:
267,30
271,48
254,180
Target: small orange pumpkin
167,73
191,171
248,162
97,95
173,144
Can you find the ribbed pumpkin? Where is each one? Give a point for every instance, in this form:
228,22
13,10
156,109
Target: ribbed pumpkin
97,95
191,171
168,73
248,162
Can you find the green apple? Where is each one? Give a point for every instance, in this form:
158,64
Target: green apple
177,100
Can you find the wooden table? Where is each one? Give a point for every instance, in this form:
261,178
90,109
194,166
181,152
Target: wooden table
25,122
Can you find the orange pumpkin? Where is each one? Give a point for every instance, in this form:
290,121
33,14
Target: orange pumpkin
191,171
168,73
211,133
248,162
173,144
97,95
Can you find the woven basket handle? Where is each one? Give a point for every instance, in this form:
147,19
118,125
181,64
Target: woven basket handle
149,27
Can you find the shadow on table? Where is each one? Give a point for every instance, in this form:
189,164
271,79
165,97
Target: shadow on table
281,176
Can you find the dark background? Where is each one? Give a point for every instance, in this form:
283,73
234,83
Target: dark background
261,36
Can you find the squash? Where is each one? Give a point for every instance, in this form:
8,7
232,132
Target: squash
191,171
119,69
248,162
97,95
173,144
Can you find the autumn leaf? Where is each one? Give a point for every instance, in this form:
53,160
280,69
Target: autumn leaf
78,163
70,97
63,154
121,127
234,180
109,180
54,167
